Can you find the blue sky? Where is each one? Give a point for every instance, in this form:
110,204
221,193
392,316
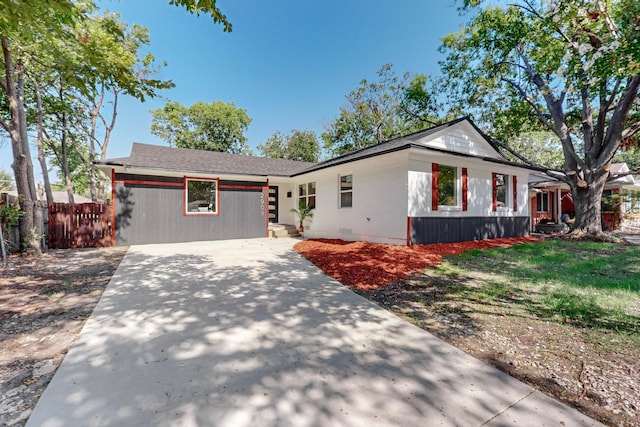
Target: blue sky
289,63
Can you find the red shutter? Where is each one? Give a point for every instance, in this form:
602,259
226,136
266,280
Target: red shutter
515,193
465,189
494,201
434,186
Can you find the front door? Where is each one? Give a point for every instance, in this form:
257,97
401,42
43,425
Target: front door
273,205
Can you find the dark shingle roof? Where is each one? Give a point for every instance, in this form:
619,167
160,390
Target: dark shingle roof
182,159
400,143
199,161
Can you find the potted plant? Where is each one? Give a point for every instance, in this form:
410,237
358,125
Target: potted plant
303,212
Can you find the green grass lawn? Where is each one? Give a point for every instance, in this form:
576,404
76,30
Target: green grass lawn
588,284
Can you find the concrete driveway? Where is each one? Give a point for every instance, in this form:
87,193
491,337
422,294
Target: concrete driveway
248,333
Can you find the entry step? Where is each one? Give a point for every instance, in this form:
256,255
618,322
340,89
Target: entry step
283,230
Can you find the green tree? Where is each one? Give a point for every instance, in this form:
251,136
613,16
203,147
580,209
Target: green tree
120,47
421,107
208,7
76,168
629,153
6,181
376,111
298,145
274,147
44,19
52,24
370,115
75,116
217,126
538,147
567,66
631,157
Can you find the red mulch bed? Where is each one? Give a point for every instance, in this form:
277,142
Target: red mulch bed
367,266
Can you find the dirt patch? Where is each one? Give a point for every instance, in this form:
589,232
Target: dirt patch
595,371
44,303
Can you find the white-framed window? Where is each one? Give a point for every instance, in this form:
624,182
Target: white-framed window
345,189
505,193
201,196
307,194
501,190
542,202
448,186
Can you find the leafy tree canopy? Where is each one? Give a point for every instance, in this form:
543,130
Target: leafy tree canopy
631,157
376,111
48,12
571,67
540,147
217,126
208,7
298,145
60,46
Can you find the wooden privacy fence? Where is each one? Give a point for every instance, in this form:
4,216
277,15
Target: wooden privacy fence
82,225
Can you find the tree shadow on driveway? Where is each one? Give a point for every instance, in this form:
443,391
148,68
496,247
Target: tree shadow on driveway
247,332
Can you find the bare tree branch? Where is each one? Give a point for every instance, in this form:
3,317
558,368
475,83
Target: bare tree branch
4,125
631,130
531,9
551,172
49,142
607,19
555,108
613,137
586,120
613,177
416,116
531,102
605,107
511,64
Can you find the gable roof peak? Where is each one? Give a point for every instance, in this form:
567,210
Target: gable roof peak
419,139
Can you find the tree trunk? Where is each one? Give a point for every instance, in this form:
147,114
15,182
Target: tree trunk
21,159
93,190
102,184
586,202
64,159
36,231
40,145
105,143
95,113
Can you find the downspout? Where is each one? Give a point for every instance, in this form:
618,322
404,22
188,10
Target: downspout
113,207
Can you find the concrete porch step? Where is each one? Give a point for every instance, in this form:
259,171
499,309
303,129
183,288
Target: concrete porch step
283,230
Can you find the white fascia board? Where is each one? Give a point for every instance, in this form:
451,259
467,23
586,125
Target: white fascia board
420,155
179,173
